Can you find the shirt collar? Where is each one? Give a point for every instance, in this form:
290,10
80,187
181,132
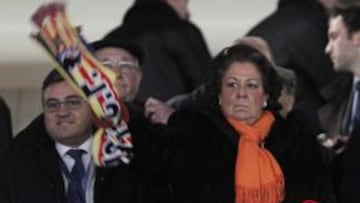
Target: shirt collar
356,79
86,146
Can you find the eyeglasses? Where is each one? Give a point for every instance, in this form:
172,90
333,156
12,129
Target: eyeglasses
122,65
73,103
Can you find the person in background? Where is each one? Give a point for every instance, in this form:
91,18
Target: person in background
259,44
343,50
339,115
176,54
288,92
296,34
219,154
50,160
125,59
5,126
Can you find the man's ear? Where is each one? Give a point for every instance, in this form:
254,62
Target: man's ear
356,38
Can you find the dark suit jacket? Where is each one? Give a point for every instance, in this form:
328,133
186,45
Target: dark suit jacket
351,173
5,126
333,114
333,117
30,173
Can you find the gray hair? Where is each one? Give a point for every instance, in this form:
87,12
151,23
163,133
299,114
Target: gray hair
288,79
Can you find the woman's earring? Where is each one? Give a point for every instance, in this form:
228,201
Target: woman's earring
265,104
219,102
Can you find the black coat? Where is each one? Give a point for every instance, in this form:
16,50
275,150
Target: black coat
297,35
5,126
334,118
205,150
176,55
30,173
351,171
334,113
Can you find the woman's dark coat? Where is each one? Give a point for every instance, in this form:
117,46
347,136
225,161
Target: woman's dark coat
200,159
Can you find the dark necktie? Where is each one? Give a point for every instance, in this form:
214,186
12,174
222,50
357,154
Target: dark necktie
357,107
76,192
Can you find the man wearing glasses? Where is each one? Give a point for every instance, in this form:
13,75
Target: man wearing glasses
50,160
124,59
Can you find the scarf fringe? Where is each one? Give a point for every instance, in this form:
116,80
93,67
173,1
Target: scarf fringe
269,193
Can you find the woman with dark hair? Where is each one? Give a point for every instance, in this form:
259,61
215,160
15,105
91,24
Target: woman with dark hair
238,149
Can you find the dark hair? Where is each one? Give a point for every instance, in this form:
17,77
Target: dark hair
244,53
52,77
351,17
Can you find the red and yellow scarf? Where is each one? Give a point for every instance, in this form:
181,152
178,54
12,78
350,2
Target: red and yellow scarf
112,143
258,176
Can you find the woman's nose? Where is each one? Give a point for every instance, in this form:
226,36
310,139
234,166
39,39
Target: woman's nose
241,91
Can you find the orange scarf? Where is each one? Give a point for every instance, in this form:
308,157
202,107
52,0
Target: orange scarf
258,176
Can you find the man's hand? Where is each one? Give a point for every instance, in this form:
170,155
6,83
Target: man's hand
157,111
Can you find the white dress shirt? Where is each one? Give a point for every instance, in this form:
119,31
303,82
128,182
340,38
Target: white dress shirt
88,164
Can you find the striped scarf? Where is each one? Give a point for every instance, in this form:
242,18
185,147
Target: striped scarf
95,83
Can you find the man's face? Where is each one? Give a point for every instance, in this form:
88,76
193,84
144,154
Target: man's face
68,118
340,47
125,66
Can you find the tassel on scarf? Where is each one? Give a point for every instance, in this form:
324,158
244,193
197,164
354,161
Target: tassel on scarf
258,176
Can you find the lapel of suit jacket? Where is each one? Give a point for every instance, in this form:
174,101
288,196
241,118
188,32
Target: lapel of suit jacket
102,176
338,96
49,164
47,159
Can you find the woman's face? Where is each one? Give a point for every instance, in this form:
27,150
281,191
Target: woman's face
242,93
